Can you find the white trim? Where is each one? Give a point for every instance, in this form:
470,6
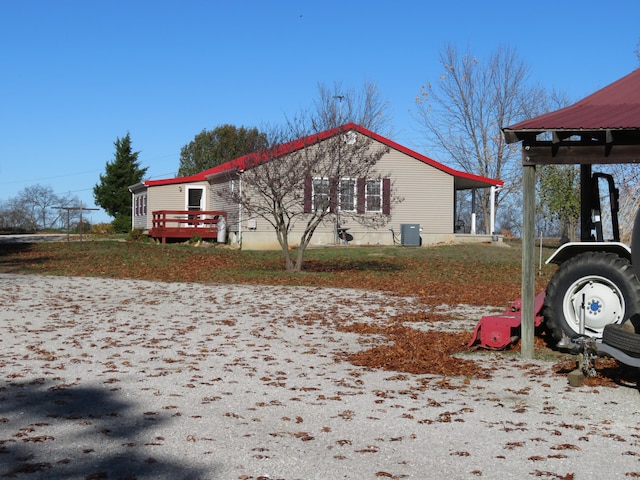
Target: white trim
354,195
366,194
203,198
492,210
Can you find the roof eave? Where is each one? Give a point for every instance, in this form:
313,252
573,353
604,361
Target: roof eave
529,135
137,187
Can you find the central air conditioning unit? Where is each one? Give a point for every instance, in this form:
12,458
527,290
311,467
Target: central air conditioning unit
410,235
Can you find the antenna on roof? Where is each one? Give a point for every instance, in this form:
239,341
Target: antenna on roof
340,98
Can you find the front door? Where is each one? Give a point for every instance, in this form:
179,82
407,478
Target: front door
195,200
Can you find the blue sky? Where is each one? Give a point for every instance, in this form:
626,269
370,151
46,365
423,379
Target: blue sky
77,74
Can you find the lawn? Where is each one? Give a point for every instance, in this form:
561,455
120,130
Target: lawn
474,274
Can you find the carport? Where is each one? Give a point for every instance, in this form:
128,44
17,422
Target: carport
602,128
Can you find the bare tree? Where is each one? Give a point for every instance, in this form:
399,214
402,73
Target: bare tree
278,189
40,200
627,177
464,112
337,105
14,215
36,207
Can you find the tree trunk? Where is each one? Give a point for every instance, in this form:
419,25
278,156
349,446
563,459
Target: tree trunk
286,253
299,258
288,263
486,212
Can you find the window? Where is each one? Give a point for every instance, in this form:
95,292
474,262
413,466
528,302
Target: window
320,193
347,200
360,195
140,205
373,196
194,198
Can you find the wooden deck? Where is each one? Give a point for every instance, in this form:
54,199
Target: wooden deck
186,224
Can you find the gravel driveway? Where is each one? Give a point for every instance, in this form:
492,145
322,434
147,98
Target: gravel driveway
123,379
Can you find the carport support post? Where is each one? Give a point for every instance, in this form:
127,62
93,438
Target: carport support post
527,325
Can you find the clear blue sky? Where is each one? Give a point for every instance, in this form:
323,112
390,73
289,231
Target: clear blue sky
77,74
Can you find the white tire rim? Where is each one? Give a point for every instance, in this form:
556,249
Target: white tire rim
603,304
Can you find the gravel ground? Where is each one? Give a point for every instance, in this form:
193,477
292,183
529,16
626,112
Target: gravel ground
140,380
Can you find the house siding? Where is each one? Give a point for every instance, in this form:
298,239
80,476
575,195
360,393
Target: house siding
427,198
256,233
139,220
427,194
219,199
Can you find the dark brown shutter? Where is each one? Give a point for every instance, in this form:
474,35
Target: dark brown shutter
361,198
386,196
333,195
308,191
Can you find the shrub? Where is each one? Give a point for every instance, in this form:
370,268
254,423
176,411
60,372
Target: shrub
84,227
136,235
122,224
102,229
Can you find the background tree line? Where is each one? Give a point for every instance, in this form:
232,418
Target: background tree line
38,208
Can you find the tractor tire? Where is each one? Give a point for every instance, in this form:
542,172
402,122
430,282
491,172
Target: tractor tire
619,337
607,285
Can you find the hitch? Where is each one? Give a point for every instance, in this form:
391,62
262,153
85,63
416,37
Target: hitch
587,350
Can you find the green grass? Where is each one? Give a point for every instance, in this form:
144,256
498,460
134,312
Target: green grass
471,273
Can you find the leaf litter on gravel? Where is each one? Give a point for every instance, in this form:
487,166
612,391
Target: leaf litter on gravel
415,352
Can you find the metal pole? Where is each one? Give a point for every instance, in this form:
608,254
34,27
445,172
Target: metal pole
527,326
339,98
540,263
81,209
473,211
240,219
337,235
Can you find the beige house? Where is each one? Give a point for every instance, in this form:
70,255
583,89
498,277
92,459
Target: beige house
411,196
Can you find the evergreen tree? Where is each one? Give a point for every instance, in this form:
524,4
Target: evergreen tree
112,192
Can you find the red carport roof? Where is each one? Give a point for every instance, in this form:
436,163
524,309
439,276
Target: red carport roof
463,180
614,107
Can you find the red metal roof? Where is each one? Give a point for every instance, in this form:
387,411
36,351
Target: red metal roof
250,160
616,106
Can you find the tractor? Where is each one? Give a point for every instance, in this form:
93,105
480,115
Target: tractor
591,305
